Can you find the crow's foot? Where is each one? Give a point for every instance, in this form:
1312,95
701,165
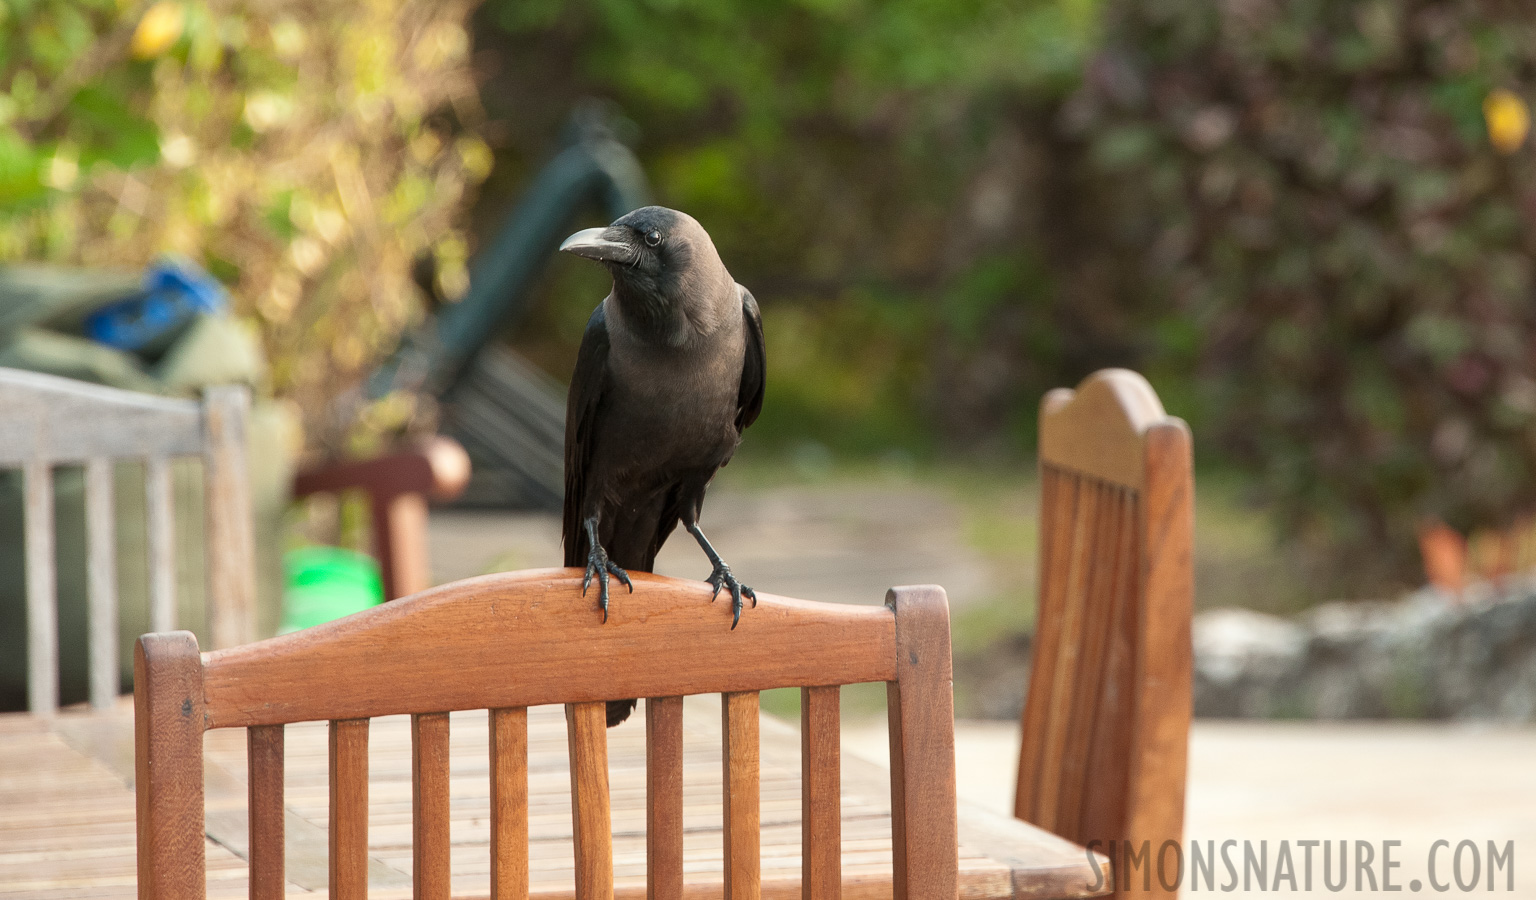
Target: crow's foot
720,579
598,564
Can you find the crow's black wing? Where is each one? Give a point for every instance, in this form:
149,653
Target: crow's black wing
754,368
588,383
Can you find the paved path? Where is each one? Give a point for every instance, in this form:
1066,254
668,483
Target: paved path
1299,781
847,544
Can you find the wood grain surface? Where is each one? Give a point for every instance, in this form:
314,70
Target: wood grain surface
101,581
430,841
821,816
591,821
742,796
679,643
1107,713
1097,429
46,421
509,803
160,526
348,823
67,831
264,798
42,590
168,744
921,709
664,797
230,540
450,648
68,421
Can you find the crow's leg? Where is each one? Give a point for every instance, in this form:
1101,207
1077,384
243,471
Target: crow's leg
721,577
598,564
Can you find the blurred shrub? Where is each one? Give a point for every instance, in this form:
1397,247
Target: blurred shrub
1308,221
303,152
1336,245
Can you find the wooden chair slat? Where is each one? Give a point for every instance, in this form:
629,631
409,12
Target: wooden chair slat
821,813
1057,505
1106,580
46,421
921,703
1109,753
349,809
160,519
1068,639
1059,512
430,872
264,755
230,535
101,581
509,803
739,758
591,823
664,798
42,590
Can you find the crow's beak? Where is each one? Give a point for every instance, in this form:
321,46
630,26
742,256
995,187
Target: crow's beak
602,244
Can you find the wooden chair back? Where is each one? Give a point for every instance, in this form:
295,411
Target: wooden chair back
507,642
46,421
398,486
1106,719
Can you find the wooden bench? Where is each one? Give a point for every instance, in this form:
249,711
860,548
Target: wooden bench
47,421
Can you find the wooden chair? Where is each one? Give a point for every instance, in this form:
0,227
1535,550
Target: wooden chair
1106,719
398,486
47,421
507,642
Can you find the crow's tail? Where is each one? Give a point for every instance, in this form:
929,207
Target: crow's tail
619,710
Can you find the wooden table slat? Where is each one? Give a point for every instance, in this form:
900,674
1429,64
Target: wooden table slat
67,825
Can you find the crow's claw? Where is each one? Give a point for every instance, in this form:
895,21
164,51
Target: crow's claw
598,564
720,579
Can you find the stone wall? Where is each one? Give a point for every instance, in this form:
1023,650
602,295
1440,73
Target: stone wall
1425,656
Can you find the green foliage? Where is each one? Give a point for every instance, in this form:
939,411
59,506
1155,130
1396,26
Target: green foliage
1335,248
1288,214
299,151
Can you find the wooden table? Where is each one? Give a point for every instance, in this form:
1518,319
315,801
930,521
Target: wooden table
67,812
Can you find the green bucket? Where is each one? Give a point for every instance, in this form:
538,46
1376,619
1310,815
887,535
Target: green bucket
325,583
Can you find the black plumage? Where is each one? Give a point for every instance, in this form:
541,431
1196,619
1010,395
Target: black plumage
670,372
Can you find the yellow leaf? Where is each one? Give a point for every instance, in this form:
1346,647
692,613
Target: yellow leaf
1509,120
158,30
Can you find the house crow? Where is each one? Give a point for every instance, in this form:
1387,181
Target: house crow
669,374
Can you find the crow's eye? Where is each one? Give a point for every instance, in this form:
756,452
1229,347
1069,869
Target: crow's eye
652,238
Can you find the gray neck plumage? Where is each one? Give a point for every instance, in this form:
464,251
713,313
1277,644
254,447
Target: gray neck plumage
651,319
675,318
